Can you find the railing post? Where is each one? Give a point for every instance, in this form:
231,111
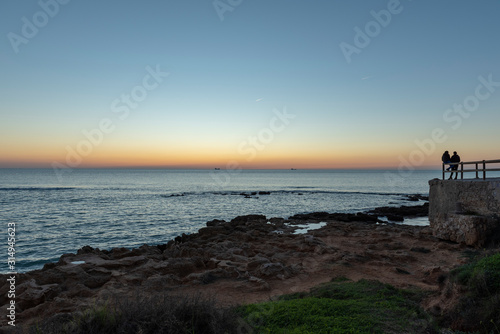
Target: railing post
454,168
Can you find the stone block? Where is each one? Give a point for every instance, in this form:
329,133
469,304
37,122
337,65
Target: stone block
465,211
472,230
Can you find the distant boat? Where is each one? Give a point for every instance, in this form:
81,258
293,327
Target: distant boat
293,169
217,168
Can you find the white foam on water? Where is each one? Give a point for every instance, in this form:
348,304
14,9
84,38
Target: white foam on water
305,228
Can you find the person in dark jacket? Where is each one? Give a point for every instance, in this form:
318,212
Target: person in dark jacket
446,159
454,159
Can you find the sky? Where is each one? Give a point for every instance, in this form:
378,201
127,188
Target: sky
248,84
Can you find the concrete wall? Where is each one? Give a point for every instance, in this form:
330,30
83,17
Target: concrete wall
465,211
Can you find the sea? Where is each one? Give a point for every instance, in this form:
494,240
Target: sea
54,214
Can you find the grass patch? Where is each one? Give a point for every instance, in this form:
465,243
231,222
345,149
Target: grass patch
479,308
342,307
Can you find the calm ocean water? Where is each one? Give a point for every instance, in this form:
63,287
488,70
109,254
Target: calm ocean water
128,208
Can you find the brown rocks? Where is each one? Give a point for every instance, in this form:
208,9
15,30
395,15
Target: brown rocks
243,260
255,263
276,270
398,213
258,284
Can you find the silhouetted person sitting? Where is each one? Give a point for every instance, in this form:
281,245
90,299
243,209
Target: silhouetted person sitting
454,159
446,159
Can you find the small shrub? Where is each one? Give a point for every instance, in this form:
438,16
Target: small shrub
479,307
152,314
486,273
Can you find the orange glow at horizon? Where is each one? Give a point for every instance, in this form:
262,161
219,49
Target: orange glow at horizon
205,158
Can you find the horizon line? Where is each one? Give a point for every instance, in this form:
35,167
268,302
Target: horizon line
437,168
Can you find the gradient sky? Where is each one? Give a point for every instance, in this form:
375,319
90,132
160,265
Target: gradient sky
66,67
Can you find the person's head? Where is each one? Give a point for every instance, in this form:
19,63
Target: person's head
446,152
455,152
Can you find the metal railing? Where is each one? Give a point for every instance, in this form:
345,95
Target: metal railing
460,168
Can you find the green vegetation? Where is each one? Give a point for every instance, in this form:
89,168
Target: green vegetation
479,307
341,307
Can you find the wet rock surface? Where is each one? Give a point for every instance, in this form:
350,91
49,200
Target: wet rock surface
248,259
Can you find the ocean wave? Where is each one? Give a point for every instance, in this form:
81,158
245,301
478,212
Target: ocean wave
285,192
37,188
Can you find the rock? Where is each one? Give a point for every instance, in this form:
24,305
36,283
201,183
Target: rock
465,211
207,277
215,222
33,294
76,290
311,216
472,230
271,269
50,276
161,281
420,250
249,195
258,284
162,248
96,278
181,266
248,219
402,271
276,270
243,257
395,245
402,211
182,238
256,262
363,217
119,253
85,250
278,222
416,197
211,231
395,218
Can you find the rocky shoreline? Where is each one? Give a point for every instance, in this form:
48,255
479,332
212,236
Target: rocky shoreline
248,259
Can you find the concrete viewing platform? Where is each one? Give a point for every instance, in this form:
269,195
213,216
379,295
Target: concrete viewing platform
465,210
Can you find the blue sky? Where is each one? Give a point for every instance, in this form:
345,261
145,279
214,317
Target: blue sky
227,76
